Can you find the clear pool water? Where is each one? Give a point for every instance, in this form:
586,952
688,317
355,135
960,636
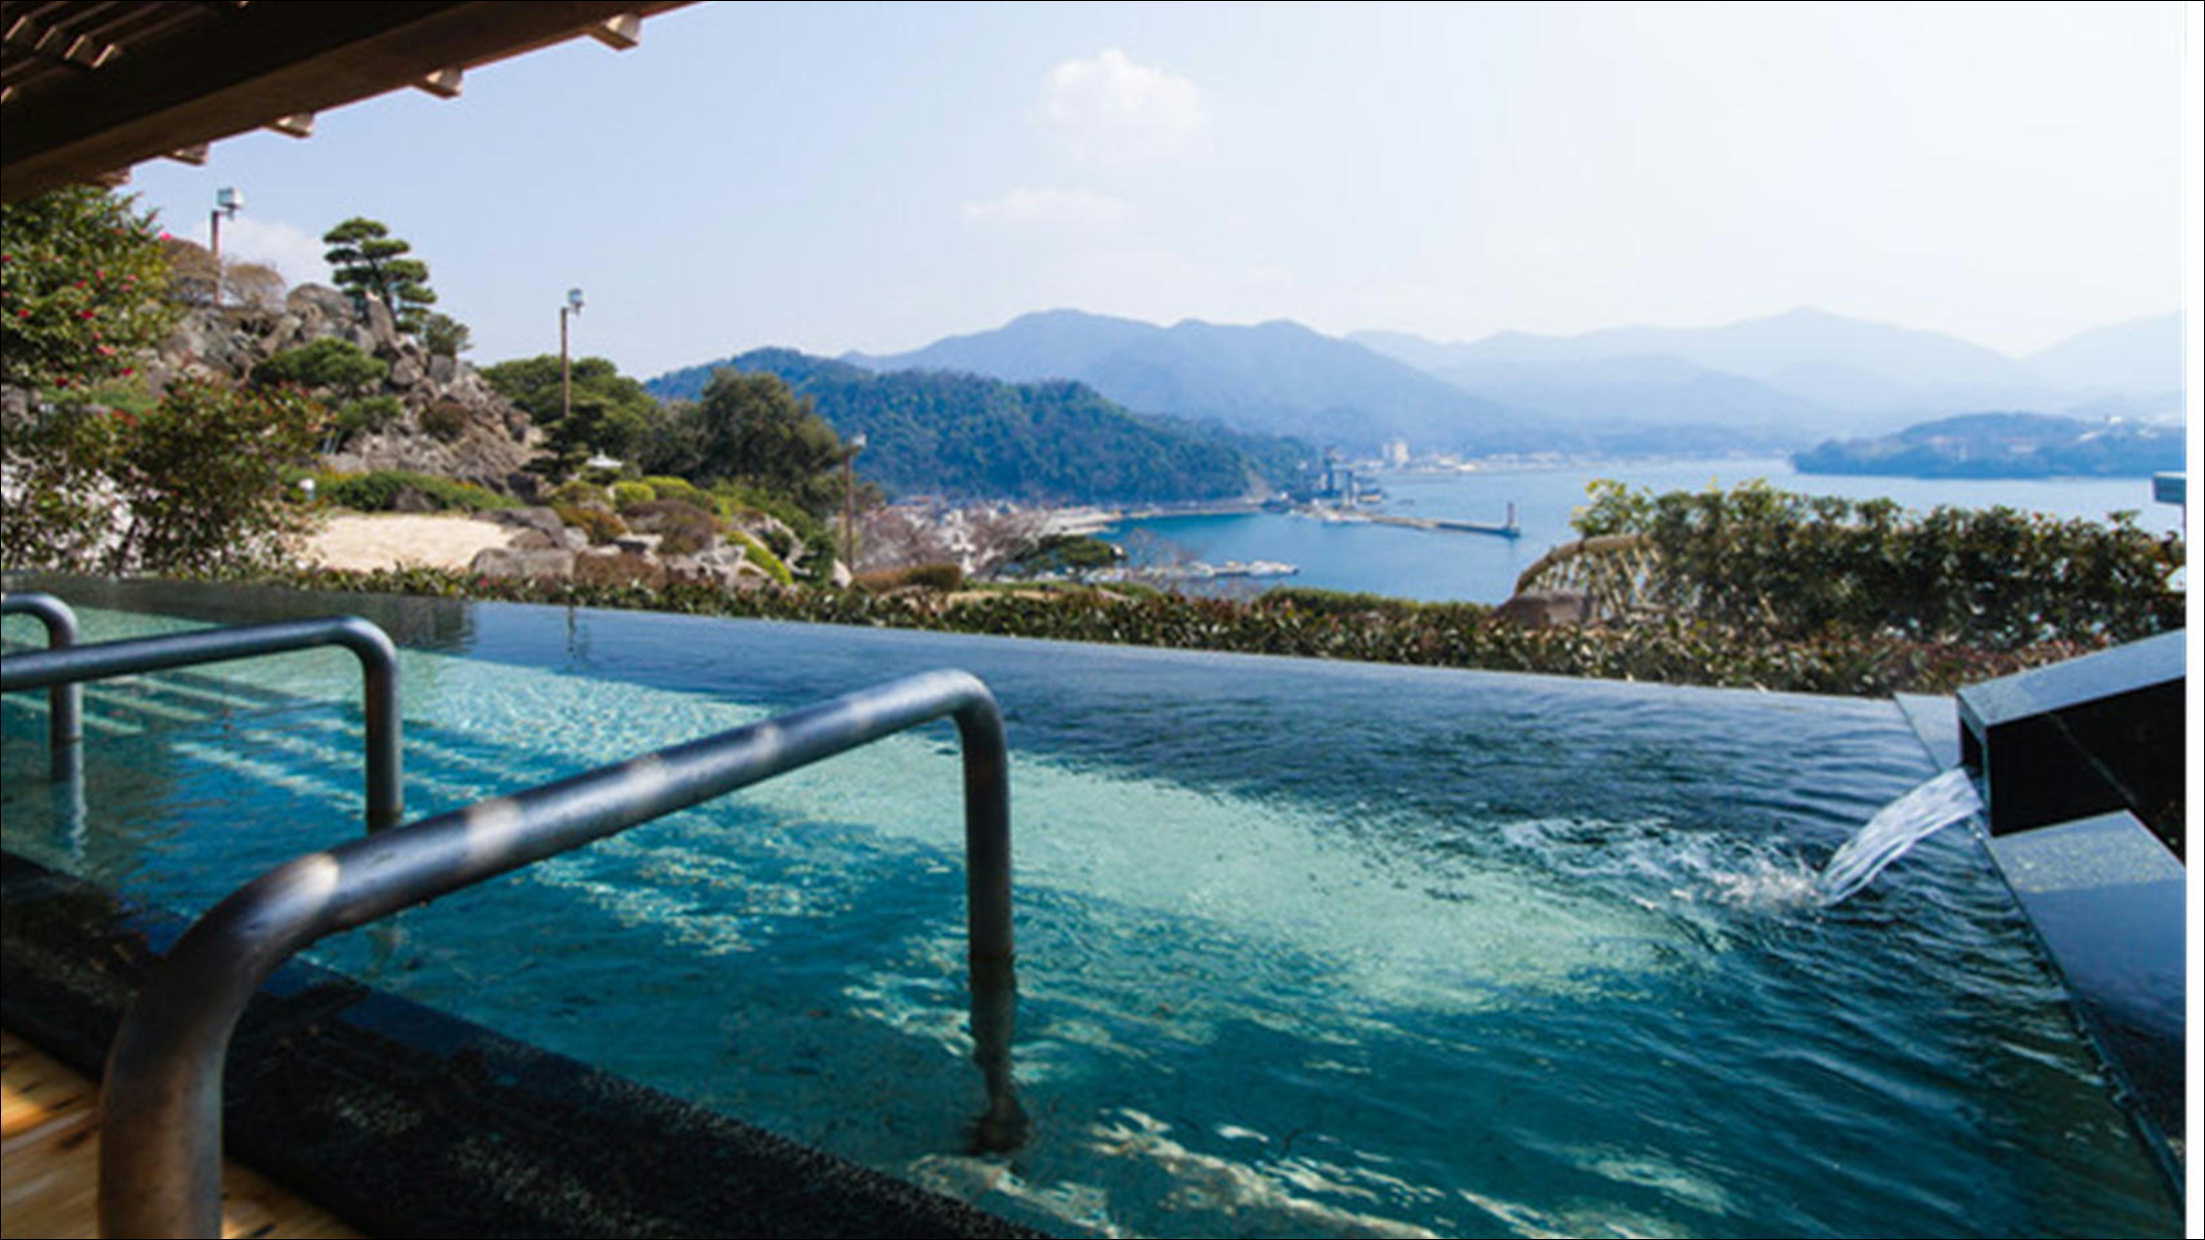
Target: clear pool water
1306,948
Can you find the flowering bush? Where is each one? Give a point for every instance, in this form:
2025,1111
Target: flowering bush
82,289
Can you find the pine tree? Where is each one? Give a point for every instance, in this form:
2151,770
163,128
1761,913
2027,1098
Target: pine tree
368,260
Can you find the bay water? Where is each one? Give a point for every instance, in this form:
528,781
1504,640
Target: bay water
1441,565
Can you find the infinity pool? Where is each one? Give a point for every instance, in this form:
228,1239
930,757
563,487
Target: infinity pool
1306,948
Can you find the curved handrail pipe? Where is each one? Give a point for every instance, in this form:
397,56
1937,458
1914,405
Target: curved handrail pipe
65,703
161,1110
42,669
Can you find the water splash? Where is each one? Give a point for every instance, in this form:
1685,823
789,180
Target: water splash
1896,827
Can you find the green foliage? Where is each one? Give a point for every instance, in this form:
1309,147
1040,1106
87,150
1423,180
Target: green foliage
601,525
759,554
626,493
1795,567
378,491
327,365
611,414
83,286
749,429
1062,553
368,260
579,492
683,528
1675,650
958,434
444,336
665,487
364,416
193,482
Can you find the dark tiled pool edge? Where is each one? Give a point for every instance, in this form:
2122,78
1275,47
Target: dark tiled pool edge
406,1122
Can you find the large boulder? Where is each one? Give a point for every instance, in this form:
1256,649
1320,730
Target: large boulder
1545,609
513,562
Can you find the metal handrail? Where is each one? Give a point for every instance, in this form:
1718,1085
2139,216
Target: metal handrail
378,670
161,1109
65,712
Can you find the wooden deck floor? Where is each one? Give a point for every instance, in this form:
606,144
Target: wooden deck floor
49,1161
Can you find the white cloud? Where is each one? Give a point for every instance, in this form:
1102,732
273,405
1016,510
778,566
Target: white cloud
1071,208
295,253
1109,108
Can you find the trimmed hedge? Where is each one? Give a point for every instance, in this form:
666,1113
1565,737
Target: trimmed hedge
1792,566
378,491
1680,651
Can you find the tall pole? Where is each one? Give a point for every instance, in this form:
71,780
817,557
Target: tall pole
226,202
849,502
566,384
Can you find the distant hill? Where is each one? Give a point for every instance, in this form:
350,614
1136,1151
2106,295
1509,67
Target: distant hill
2004,445
1276,378
969,436
2139,356
1807,371
1660,404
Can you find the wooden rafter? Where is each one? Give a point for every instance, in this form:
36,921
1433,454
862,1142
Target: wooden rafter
95,86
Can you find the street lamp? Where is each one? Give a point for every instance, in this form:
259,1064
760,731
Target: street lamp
849,502
566,386
226,203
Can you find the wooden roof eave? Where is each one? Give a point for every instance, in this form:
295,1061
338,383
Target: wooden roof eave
262,62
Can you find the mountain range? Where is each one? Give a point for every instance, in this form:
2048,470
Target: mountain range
1781,381
1777,383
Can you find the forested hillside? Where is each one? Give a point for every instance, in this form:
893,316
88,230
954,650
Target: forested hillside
944,433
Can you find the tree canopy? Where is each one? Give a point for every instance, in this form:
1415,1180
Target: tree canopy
612,412
368,259
749,428
82,288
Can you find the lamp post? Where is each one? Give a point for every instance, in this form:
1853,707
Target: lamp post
849,502
566,386
226,203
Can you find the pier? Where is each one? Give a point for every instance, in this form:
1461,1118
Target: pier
1508,529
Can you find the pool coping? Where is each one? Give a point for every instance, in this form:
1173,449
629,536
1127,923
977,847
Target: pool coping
406,1121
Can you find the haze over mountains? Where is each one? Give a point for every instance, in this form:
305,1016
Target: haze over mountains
1192,409
1782,381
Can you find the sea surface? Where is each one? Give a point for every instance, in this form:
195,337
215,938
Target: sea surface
1440,565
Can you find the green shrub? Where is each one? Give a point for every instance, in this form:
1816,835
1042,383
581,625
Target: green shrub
626,494
1671,649
1061,553
681,489
1794,566
328,363
757,553
367,415
194,481
378,491
601,525
579,492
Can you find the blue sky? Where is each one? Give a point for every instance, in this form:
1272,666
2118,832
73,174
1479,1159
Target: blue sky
853,176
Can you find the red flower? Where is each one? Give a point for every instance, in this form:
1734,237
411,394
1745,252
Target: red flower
24,313
129,370
85,314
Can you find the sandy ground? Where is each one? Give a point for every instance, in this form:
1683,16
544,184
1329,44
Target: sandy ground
387,540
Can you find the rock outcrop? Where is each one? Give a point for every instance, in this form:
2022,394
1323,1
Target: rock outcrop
454,424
